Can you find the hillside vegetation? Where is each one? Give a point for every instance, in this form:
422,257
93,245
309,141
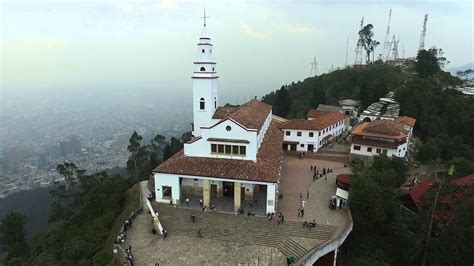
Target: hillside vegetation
384,233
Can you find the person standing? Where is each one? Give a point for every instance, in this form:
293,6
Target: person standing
302,212
307,194
187,201
200,202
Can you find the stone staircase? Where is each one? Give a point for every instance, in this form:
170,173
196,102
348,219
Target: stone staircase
241,228
290,247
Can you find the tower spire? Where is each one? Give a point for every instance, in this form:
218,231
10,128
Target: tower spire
204,17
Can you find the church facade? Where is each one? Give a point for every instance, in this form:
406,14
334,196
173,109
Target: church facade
236,151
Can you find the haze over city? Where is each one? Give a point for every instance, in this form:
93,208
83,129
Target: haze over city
139,46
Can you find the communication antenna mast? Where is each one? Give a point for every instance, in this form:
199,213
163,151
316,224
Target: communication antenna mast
358,50
395,47
347,50
386,43
423,34
314,68
403,50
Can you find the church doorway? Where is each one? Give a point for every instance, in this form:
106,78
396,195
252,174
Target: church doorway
310,147
213,190
228,188
166,192
285,146
293,147
242,193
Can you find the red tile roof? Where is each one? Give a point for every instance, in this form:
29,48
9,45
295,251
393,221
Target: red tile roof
417,192
406,120
265,169
464,181
314,113
344,178
381,128
224,111
251,115
319,123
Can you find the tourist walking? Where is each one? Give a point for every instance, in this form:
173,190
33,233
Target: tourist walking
200,202
302,212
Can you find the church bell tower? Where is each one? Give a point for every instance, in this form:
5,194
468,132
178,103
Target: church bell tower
205,94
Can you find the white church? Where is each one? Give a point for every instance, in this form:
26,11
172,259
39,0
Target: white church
236,151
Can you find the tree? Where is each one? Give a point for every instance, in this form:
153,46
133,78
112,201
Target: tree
172,147
69,171
366,38
13,235
134,148
282,102
427,153
427,63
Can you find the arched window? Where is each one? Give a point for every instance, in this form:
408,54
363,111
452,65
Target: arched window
212,69
202,104
215,103
203,69
203,51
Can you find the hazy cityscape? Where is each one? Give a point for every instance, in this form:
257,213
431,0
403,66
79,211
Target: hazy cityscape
38,132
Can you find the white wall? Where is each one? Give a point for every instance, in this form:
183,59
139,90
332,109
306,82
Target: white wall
167,180
207,89
390,152
334,130
202,147
263,130
271,197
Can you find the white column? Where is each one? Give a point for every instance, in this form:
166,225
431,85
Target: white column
176,191
271,197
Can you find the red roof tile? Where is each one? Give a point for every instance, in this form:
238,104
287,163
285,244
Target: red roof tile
418,191
406,120
251,115
319,123
314,113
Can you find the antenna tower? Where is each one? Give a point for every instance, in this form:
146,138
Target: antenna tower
403,50
395,47
423,34
314,68
347,50
359,48
386,43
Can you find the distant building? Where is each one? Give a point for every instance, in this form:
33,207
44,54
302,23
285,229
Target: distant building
389,137
386,108
329,108
312,133
350,107
343,185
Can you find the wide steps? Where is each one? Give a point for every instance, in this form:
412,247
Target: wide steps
241,228
289,247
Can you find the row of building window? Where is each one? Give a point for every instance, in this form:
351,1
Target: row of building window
369,149
311,134
202,104
228,149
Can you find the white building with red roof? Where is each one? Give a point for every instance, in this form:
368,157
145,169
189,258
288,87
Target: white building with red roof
311,134
235,152
389,137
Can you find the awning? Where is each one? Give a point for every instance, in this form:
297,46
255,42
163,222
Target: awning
290,142
328,137
342,193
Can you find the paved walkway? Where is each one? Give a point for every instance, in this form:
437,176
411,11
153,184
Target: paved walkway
297,178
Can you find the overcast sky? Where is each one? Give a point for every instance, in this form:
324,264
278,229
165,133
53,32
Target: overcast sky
258,45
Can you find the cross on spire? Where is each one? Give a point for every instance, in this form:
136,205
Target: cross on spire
204,17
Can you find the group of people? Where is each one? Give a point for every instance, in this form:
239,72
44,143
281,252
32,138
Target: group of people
129,255
272,217
301,208
319,174
126,225
310,224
